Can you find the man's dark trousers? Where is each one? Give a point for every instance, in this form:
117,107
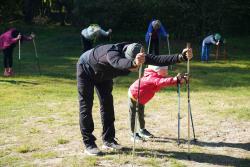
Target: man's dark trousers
86,84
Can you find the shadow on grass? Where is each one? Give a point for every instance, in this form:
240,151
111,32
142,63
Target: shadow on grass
245,146
19,82
197,157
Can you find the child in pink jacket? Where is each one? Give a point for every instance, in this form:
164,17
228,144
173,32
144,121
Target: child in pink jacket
153,80
8,41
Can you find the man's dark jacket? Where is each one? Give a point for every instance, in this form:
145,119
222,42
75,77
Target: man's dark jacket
108,61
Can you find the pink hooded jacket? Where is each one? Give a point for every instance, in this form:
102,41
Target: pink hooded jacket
6,39
151,82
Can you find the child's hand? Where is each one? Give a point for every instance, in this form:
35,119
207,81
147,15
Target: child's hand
181,78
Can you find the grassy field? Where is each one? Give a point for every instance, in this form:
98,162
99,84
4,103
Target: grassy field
39,113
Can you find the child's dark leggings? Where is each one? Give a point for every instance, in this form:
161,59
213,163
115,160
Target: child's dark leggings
8,56
132,111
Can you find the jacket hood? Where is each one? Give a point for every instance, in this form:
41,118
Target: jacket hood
151,72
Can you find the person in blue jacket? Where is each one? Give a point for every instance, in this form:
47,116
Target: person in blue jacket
211,39
155,31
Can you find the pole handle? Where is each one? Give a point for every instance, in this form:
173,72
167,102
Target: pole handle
140,68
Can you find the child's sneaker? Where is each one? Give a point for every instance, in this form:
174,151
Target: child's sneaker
137,137
145,134
92,150
111,145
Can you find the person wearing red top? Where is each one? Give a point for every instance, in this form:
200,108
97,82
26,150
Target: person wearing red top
154,79
8,42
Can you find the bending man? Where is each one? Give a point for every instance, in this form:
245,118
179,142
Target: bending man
96,68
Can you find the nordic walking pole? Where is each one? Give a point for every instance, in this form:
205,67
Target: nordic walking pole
137,103
179,108
37,58
169,49
168,46
188,46
138,96
189,104
149,44
19,55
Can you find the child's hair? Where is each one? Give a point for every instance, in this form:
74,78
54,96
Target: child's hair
157,68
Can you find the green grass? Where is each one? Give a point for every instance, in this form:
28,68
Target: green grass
175,163
151,162
62,141
39,114
25,149
44,155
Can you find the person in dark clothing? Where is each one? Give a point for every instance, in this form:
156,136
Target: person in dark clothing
155,31
96,68
8,42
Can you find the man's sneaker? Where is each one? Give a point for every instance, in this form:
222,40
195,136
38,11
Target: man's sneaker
92,150
137,137
145,134
112,145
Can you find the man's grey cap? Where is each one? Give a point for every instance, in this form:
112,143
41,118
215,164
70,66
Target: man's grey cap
132,50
